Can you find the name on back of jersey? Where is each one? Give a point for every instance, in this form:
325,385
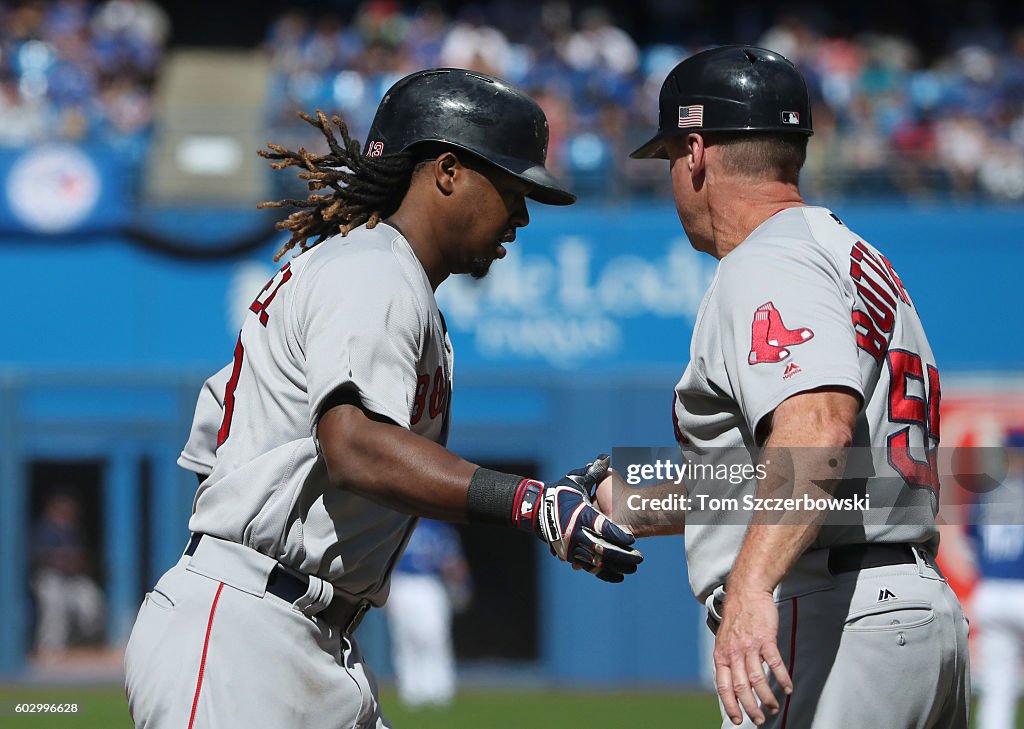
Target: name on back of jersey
879,288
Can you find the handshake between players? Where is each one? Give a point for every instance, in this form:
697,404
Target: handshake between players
564,516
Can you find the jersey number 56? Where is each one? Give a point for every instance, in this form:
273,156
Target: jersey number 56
916,411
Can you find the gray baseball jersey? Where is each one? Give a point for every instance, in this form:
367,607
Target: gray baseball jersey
200,452
802,303
356,312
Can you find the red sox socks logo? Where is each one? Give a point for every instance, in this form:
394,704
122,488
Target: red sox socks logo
770,337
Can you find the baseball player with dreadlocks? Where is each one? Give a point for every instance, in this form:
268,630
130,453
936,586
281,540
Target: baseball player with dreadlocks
807,343
325,438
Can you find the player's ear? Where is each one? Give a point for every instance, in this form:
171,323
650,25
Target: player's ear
446,169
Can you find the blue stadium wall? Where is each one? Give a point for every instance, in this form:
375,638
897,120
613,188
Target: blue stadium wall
570,347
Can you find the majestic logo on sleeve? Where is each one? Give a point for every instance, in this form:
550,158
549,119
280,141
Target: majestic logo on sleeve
770,338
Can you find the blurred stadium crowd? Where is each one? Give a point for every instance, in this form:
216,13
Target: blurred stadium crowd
81,72
888,120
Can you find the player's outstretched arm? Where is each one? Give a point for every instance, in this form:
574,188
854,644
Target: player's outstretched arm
392,466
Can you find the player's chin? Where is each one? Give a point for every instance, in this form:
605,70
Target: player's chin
480,267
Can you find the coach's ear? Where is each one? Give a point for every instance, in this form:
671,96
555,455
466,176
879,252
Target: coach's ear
697,156
688,157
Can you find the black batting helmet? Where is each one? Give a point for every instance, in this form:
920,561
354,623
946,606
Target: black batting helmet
730,89
472,111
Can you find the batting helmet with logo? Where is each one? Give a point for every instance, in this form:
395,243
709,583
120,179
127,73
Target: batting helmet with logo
471,111
730,89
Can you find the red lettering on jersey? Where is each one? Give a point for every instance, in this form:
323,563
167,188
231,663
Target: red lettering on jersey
919,412
859,275
260,304
934,396
868,337
420,401
880,265
229,393
437,397
883,315
897,281
769,337
878,288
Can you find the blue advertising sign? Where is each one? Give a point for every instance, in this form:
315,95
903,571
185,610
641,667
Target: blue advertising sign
579,300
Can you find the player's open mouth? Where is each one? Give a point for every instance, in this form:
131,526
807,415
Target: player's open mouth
507,237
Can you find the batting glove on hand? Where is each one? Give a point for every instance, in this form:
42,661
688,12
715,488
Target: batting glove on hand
562,516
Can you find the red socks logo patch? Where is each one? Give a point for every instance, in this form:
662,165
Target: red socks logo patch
769,337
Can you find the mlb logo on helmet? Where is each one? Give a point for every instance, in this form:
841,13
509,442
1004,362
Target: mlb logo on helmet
791,117
376,149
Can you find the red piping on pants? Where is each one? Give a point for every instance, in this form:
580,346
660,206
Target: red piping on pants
202,662
792,662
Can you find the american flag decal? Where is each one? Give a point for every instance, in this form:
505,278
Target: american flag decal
691,116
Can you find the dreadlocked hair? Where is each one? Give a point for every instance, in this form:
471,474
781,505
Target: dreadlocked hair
364,189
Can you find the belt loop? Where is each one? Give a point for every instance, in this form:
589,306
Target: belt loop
318,596
357,617
926,566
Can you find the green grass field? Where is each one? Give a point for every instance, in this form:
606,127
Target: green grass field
106,709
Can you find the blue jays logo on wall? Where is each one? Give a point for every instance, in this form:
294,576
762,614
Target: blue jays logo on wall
571,302
53,189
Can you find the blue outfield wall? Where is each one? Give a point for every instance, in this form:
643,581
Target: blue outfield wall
570,347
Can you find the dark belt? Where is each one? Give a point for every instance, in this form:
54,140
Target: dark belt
853,557
290,587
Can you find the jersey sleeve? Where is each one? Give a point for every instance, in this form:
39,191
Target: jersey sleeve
361,330
786,327
200,452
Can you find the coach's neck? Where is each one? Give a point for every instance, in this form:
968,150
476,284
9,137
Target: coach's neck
738,204
724,189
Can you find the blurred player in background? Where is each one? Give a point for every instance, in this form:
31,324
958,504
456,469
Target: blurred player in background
69,603
329,438
430,582
997,605
806,343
